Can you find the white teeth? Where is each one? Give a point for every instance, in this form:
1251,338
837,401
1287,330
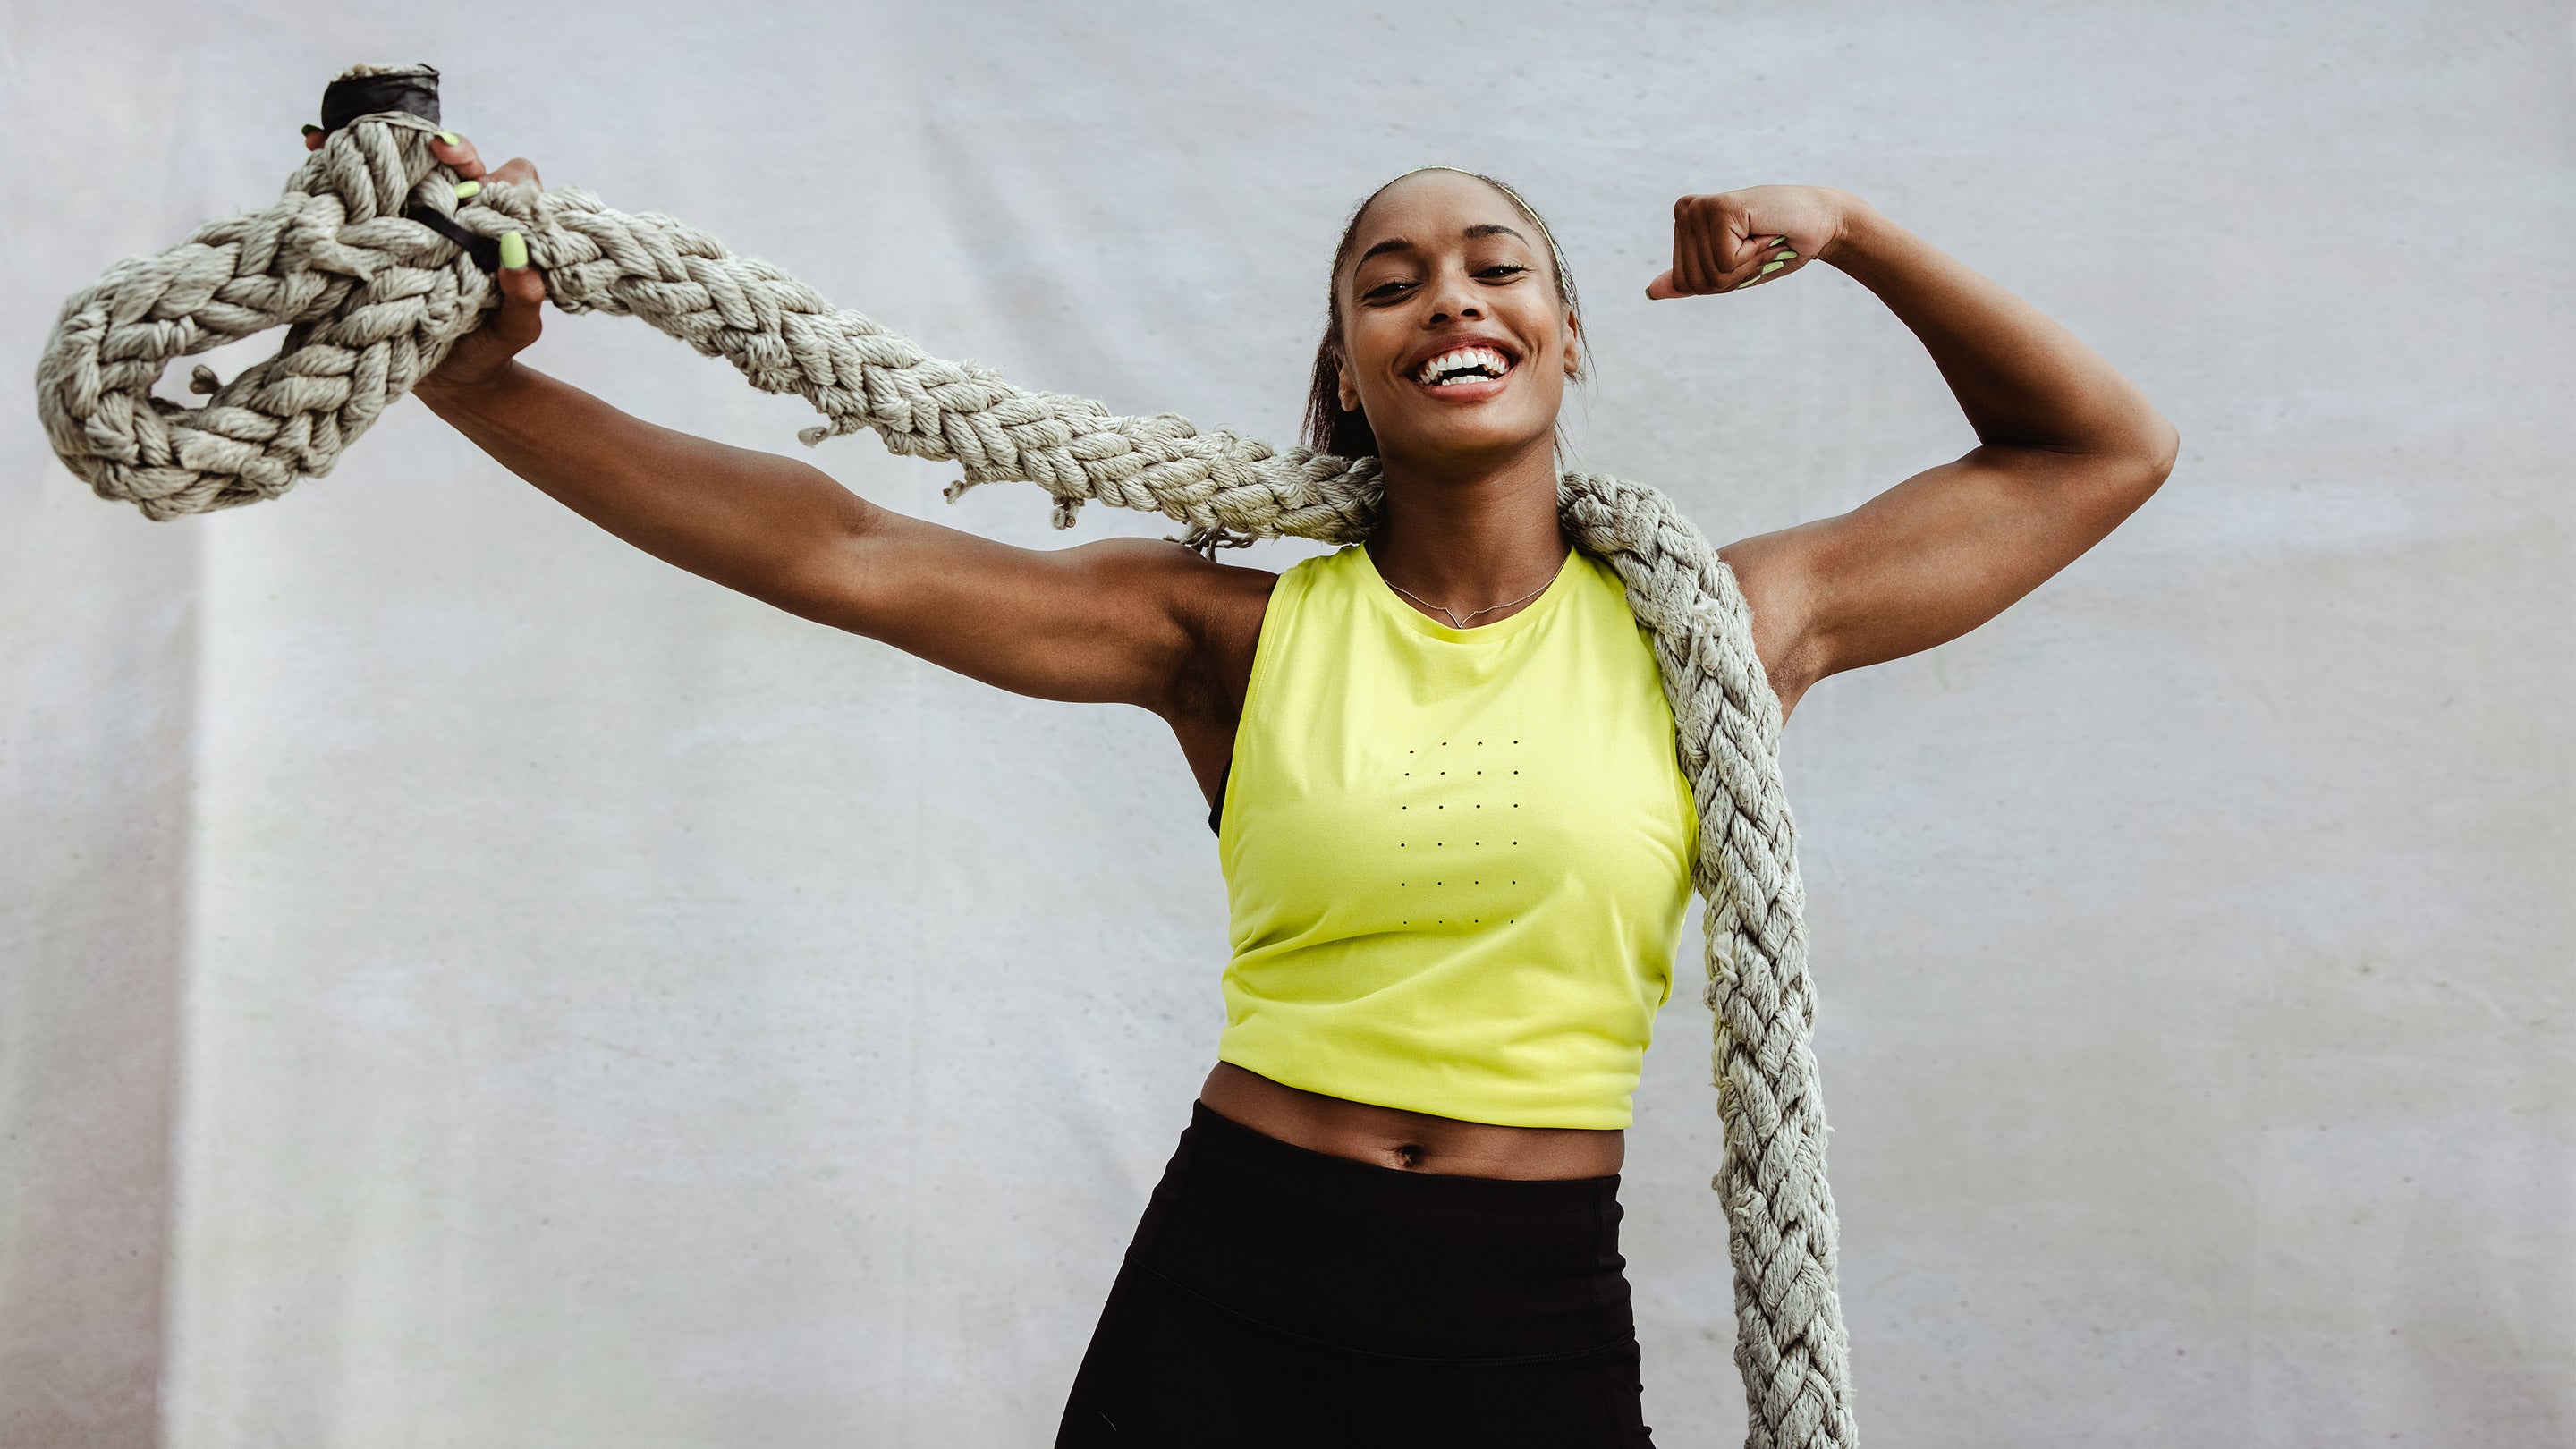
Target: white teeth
1488,358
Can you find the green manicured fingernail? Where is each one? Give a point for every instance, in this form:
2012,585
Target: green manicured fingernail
1769,267
312,130
1782,256
450,137
1747,282
465,189
514,249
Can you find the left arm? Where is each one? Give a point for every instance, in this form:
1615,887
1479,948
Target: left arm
2067,446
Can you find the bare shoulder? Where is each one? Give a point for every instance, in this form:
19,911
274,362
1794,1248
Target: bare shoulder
1217,610
1778,574
1220,607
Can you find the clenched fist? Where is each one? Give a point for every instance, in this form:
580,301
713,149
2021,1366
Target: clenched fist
1732,240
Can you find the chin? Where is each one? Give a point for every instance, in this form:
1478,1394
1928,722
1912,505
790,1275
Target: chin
1459,440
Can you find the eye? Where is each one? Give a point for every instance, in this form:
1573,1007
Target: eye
1385,291
1503,271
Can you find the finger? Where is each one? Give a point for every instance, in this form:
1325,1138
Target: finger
1710,247
314,136
1692,274
1769,266
1748,252
523,294
1739,246
1718,242
1686,273
459,153
1662,288
523,287
518,168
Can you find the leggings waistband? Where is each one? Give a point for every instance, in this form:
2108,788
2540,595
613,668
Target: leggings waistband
1378,1260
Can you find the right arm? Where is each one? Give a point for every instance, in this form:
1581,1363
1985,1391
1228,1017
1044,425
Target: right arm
1117,621
1105,622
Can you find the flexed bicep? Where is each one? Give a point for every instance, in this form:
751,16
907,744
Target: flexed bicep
2068,448
1927,560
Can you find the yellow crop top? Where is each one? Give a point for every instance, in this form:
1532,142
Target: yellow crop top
1456,860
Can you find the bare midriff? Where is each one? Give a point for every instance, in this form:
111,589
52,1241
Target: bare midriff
1410,1141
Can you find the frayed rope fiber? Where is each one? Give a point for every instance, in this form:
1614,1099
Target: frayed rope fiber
373,299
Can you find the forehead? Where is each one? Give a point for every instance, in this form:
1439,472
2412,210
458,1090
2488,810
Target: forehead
1431,208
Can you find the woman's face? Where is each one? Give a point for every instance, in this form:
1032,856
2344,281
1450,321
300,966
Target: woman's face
1453,338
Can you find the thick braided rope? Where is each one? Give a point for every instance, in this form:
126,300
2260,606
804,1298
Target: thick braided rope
372,301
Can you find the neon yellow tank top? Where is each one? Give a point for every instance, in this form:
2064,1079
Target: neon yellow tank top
1456,860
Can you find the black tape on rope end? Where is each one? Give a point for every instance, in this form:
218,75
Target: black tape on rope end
412,92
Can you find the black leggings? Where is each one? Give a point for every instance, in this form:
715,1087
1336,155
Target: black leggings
1277,1296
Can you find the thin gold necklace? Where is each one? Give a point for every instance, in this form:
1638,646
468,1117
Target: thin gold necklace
1457,620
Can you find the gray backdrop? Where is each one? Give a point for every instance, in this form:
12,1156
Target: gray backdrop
464,982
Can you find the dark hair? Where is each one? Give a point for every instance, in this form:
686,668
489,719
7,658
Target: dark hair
1346,433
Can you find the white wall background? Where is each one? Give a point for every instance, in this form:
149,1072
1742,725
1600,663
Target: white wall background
463,982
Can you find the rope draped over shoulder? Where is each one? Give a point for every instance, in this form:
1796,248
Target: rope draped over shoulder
372,300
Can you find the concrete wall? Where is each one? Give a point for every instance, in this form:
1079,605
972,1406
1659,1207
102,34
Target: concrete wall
98,669
466,982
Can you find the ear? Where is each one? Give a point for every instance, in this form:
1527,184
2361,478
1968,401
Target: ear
1573,347
1350,396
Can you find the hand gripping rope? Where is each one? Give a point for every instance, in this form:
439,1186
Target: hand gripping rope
375,269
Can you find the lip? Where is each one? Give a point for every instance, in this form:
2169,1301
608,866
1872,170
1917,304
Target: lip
1462,392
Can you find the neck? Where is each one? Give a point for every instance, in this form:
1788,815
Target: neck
1469,537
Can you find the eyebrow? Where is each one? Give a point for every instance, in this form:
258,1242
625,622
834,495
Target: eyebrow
1487,228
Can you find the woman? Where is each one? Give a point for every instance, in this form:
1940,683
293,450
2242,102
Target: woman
1455,837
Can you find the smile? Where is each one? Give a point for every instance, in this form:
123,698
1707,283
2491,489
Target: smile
1463,366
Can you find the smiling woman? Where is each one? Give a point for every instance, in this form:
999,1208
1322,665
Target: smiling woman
1460,771
1457,858
1458,836
1335,421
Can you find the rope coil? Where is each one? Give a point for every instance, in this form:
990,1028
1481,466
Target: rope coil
372,301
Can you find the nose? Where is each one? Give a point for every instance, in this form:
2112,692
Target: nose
1452,299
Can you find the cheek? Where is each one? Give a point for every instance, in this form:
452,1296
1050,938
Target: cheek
1546,326
1371,345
